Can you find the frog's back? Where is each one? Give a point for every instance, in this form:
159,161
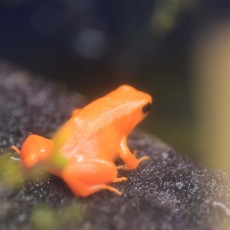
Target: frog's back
105,117
99,116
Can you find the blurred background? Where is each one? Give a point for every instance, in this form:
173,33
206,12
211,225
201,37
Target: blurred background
177,50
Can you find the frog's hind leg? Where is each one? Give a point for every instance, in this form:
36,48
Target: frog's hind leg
89,176
81,189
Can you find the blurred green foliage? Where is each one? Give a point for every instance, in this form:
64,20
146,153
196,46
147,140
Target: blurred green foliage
13,176
46,217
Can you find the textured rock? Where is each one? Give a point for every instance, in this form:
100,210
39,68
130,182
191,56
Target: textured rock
167,192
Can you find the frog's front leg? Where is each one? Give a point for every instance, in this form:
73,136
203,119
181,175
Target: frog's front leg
89,176
131,162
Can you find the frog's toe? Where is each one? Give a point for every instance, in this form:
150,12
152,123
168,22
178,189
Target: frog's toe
16,149
144,158
123,167
135,152
111,189
119,179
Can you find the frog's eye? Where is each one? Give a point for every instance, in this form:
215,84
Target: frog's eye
146,108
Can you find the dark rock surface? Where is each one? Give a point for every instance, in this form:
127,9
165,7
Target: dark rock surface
167,192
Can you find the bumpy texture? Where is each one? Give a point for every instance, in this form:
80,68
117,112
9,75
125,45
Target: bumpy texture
167,192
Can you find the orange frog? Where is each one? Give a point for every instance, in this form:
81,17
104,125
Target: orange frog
90,141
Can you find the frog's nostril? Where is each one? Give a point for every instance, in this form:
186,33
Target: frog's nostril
146,108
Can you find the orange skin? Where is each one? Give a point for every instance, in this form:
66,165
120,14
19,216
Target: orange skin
90,141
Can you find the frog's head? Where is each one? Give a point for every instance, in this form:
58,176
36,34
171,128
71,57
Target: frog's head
136,104
35,149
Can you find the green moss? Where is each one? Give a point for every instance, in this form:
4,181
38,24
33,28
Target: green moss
45,217
59,161
11,173
73,213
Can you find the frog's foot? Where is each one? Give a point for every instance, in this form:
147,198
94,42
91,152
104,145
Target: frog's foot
125,167
97,188
89,176
119,179
144,158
